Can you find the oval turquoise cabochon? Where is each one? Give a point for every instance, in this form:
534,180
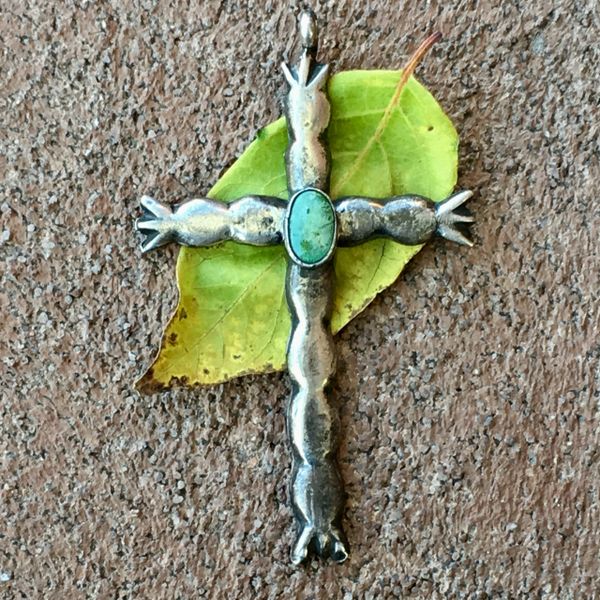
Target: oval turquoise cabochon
311,227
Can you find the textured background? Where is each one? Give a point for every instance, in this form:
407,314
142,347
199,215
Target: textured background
468,391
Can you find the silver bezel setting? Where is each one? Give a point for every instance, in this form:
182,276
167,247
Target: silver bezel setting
286,232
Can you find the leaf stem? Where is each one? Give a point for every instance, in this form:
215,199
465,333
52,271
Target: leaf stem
407,71
412,64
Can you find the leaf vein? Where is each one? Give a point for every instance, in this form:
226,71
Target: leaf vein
381,127
249,288
275,323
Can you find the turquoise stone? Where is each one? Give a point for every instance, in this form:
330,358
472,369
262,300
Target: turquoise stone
311,226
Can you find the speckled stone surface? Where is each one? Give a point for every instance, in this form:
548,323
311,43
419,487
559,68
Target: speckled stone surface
468,391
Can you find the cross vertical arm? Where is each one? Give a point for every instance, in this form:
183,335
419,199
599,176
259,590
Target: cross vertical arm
312,423
254,220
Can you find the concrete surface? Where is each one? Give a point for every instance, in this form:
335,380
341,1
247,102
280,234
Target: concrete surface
468,391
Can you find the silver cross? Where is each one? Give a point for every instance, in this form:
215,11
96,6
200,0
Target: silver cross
311,226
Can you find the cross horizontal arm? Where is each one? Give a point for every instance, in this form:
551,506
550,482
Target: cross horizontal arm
253,220
408,220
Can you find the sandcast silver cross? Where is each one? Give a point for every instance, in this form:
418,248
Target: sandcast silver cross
311,226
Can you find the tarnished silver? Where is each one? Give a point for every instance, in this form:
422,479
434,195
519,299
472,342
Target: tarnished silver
307,112
254,220
408,220
312,424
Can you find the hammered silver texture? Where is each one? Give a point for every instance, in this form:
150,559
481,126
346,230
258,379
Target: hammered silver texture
407,219
312,423
254,220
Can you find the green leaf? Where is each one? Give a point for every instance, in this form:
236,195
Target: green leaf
232,317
